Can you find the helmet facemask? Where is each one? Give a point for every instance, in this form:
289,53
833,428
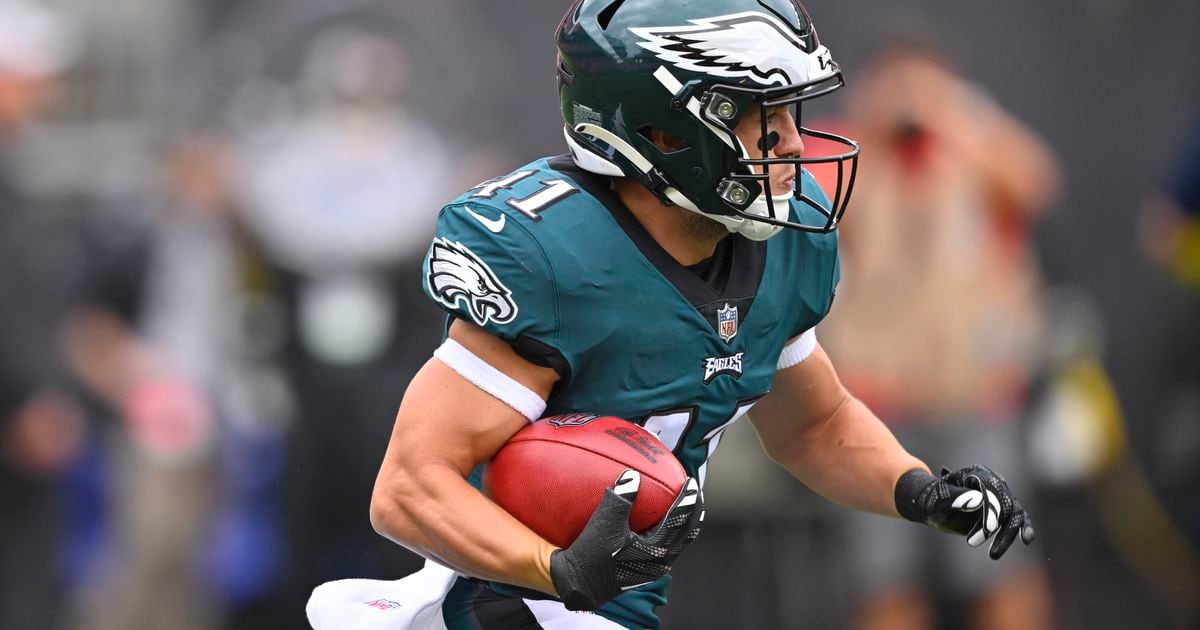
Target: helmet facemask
746,190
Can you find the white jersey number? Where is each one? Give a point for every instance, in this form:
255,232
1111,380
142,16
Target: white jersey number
672,426
531,205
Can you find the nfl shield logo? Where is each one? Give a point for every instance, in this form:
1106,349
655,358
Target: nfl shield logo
571,420
727,321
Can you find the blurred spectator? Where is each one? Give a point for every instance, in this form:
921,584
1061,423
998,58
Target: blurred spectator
1171,238
210,308
41,422
938,322
1171,218
159,371
340,191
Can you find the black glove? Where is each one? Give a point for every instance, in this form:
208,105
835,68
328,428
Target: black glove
609,558
974,502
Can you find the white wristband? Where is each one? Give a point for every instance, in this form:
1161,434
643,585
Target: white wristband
797,351
500,385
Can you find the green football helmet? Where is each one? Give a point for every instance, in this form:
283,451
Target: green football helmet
692,70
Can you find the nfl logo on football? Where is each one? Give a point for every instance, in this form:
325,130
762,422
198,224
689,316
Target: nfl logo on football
727,322
571,420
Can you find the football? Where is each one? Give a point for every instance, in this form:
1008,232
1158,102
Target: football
552,474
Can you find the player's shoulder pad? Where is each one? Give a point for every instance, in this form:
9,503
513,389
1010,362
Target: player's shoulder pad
486,263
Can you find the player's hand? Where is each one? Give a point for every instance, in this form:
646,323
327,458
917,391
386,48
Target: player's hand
974,502
609,558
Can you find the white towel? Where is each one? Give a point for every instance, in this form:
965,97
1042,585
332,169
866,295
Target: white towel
410,603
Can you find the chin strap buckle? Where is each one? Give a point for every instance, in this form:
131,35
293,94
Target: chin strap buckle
658,184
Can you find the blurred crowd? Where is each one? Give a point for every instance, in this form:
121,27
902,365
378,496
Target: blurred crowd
212,217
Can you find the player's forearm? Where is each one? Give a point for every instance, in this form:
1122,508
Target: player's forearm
851,458
435,513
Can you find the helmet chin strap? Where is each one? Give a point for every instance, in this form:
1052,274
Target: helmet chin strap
759,231
753,230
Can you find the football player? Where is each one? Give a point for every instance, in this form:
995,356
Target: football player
670,270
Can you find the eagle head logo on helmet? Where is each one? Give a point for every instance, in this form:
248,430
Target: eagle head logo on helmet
749,45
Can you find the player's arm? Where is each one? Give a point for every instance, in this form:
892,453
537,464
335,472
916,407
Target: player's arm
829,440
811,425
446,426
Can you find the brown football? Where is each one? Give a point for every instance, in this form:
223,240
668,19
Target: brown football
551,474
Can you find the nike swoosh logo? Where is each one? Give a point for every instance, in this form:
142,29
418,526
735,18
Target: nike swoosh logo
493,225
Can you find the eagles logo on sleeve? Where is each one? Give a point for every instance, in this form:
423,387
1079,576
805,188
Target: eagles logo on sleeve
455,274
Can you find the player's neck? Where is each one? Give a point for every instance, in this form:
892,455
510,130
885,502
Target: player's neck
688,237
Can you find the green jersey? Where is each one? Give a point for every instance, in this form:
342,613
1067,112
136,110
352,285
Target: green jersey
548,259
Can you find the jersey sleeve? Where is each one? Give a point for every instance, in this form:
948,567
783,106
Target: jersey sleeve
485,267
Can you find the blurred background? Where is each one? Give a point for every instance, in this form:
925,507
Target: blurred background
212,215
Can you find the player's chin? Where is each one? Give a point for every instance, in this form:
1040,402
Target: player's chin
783,186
